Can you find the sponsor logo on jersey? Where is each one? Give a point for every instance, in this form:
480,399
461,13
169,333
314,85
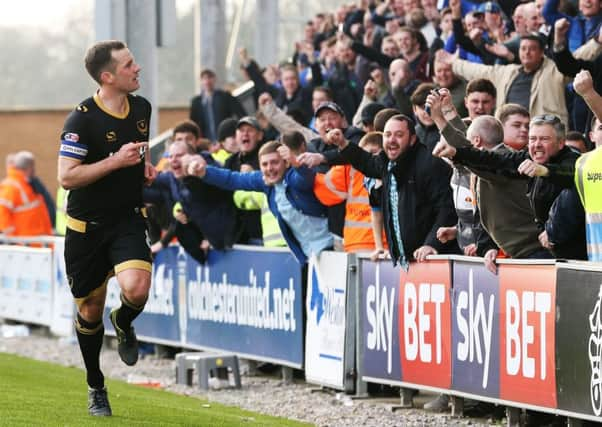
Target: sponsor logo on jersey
82,108
72,137
142,127
111,136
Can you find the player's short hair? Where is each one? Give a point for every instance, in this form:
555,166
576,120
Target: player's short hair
99,57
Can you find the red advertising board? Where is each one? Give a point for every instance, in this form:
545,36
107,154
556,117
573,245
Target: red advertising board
527,328
425,324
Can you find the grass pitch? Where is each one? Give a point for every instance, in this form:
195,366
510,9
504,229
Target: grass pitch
34,393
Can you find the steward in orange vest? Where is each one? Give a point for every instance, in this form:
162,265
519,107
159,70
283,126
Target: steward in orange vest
23,212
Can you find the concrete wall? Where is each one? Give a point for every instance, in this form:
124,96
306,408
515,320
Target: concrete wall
39,131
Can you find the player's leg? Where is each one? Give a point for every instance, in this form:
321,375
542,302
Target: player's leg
131,257
88,271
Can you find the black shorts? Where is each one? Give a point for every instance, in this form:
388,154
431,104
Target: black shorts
94,252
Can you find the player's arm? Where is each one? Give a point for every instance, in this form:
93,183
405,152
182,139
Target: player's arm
72,173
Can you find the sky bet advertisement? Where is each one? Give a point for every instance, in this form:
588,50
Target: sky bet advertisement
454,325
243,301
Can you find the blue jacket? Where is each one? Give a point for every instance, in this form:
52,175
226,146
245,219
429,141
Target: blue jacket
299,191
210,209
581,30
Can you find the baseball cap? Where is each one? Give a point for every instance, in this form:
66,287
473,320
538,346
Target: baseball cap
370,110
249,120
329,105
226,128
489,7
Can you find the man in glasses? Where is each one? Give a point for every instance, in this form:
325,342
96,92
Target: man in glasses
547,162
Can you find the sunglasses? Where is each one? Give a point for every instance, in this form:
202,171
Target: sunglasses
546,118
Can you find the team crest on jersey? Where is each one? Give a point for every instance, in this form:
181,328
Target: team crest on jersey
71,137
82,108
111,136
142,127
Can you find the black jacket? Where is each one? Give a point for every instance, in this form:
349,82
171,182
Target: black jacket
224,106
541,191
248,222
566,226
425,197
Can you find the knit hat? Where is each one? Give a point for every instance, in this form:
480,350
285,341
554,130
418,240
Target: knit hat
226,129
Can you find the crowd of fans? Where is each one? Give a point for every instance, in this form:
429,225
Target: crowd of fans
401,128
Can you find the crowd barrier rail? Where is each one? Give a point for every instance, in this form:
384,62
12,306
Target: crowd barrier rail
528,337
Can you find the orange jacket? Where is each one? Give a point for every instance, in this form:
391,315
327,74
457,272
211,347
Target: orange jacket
341,183
22,211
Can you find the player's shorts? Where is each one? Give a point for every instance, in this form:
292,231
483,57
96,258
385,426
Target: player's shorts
94,251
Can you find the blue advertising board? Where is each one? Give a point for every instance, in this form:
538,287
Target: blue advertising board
379,312
159,320
475,329
246,301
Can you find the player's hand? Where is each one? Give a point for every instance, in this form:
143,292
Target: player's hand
150,173
311,160
532,169
443,149
583,83
130,154
156,247
422,252
445,234
489,260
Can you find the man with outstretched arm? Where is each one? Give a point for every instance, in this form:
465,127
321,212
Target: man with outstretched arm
416,197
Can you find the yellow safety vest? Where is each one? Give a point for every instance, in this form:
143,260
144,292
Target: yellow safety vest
272,237
588,180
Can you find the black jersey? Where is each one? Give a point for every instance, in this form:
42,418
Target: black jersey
91,134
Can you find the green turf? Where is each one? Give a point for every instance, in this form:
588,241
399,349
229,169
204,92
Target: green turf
34,393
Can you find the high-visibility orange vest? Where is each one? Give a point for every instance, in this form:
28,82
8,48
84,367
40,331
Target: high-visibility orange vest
343,182
22,211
